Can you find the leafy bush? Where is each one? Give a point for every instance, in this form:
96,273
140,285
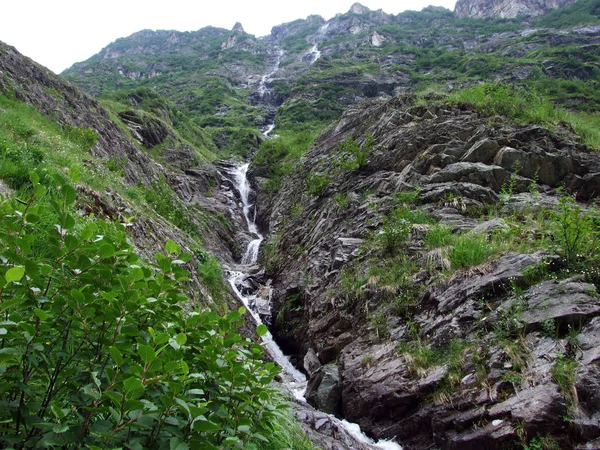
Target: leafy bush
96,351
164,202
573,230
438,236
396,227
524,104
317,184
353,156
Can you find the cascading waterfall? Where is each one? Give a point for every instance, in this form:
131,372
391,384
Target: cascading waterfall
294,379
314,53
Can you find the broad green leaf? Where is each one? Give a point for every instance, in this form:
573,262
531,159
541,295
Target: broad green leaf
14,274
181,339
42,315
60,428
261,330
39,190
32,218
132,384
136,274
106,251
172,248
116,355
146,353
244,429
205,425
69,194
177,444
34,177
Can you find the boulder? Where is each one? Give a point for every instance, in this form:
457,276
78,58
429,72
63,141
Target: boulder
482,151
311,361
324,390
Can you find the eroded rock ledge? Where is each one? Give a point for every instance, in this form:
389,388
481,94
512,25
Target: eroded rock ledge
501,334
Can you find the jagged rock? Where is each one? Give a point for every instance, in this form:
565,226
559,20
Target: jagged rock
566,302
490,226
357,8
148,130
506,9
326,431
324,390
482,151
461,163
311,362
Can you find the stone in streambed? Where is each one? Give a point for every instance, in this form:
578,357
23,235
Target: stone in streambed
324,390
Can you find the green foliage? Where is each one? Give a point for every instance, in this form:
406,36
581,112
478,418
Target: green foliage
526,105
317,184
96,349
210,272
574,230
166,203
438,236
352,155
564,375
470,250
86,137
279,156
582,12
396,227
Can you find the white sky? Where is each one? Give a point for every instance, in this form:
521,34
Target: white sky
58,33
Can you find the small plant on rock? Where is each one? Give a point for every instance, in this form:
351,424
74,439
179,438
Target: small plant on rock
317,184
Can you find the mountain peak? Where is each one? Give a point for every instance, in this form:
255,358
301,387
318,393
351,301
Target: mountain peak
238,28
357,8
506,9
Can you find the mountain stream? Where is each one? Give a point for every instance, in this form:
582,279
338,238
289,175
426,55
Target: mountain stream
254,299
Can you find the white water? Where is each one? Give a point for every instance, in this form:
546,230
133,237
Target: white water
263,87
295,381
314,53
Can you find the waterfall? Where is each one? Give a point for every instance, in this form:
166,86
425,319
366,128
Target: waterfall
314,53
294,380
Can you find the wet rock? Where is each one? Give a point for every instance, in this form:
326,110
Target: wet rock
324,390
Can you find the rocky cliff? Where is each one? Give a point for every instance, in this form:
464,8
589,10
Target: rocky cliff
506,9
399,332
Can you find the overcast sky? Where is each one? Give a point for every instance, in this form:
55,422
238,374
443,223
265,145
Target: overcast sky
58,33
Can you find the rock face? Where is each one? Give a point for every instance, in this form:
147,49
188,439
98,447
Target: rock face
506,9
355,324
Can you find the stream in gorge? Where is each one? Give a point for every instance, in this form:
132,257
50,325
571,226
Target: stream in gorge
258,300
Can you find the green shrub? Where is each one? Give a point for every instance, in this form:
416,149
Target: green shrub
574,232
97,353
210,272
564,375
165,202
396,227
353,156
317,184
